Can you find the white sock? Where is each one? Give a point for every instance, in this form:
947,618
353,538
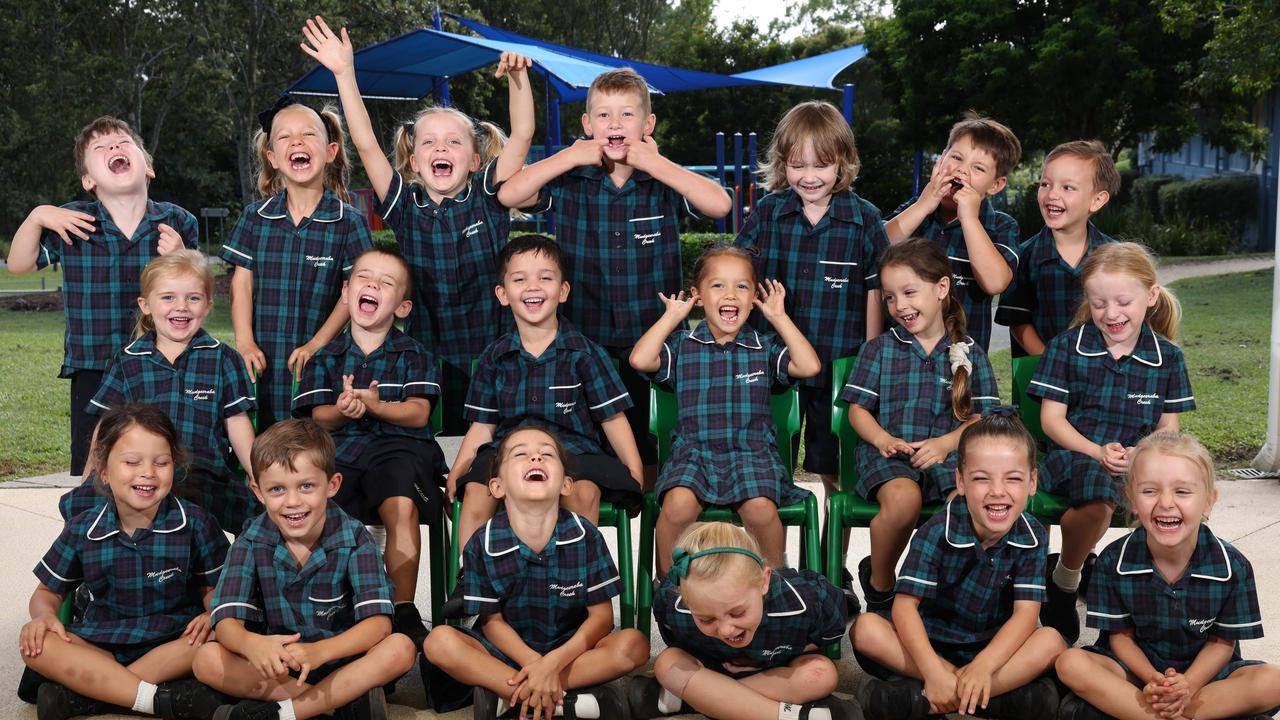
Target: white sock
145,700
502,707
819,714
787,711
669,702
585,706
379,535
1066,578
286,710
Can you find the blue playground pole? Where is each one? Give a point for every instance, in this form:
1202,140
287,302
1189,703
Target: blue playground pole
737,181
752,167
915,173
442,85
554,114
720,172
849,94
550,215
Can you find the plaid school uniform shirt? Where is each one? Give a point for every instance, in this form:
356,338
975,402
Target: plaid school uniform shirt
101,277
341,583
145,588
826,268
1045,292
1003,231
967,591
621,248
1216,596
1108,400
453,249
569,389
801,609
543,595
297,278
402,368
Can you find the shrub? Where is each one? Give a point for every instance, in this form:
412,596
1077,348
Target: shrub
1170,239
1146,193
1226,202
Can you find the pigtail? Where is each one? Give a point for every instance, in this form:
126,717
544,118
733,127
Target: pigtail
402,151
489,141
954,320
1166,314
269,182
1136,261
337,172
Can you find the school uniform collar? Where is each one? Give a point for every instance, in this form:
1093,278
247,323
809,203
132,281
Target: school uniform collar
844,206
747,336
339,530
152,217
567,338
329,210
499,539
782,599
171,516
1045,249
904,336
146,343
423,200
959,533
1209,561
597,173
395,342
1089,343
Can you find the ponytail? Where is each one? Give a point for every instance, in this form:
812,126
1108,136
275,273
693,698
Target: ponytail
487,140
337,172
1135,261
954,320
1165,316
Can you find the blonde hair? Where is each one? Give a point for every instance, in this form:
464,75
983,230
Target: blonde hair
337,172
616,82
179,262
1174,444
821,123
1132,260
987,134
707,535
487,140
1105,175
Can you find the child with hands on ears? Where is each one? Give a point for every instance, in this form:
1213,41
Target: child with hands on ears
724,450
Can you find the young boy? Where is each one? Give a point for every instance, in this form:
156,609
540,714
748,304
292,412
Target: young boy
372,388
103,244
547,374
954,210
618,204
302,609
1078,179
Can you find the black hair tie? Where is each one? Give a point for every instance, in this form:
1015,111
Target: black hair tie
268,116
1005,411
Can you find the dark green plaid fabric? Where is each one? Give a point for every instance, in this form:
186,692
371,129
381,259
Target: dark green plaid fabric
826,268
967,591
1003,231
341,583
101,278
1045,292
145,588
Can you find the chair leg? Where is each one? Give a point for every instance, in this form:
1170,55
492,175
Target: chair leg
644,565
455,556
439,552
627,601
834,561
810,533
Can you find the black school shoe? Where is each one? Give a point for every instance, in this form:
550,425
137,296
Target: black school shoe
454,607
878,601
609,698
187,699
406,620
839,708
1073,707
370,706
1059,612
249,710
851,604
57,702
444,694
898,699
643,692
1086,573
484,704
1036,699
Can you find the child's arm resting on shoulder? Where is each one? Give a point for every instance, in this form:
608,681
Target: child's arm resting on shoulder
803,361
646,355
24,251
43,606
703,193
529,181
973,686
939,682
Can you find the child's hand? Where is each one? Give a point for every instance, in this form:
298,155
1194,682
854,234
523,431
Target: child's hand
891,446
940,691
254,359
31,639
677,306
299,358
330,50
537,686
939,186
973,687
64,222
170,240
348,403
968,201
771,299
306,657
267,654
927,453
368,396
587,151
1115,458
198,629
1170,693
513,65
642,153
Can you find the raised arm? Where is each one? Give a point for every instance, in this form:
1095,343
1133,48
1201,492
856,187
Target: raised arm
530,180
804,361
520,107
646,356
702,192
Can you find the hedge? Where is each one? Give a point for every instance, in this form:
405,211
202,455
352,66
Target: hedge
1146,194
1226,202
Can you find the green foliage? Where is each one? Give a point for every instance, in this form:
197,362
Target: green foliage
1224,202
1172,238
1146,194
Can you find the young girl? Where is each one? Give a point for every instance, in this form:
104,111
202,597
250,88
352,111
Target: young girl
743,637
541,581
724,451
910,394
199,382
1171,601
292,250
1111,379
443,209
150,561
963,634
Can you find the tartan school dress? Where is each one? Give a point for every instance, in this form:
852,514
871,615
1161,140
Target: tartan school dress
724,447
297,278
199,391
144,588
1108,400
967,591
1003,231
1045,292
379,460
544,595
801,609
1171,622
909,393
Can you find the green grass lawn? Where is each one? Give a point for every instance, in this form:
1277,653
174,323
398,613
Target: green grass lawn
46,279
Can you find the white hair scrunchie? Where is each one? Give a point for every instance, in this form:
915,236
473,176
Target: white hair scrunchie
958,355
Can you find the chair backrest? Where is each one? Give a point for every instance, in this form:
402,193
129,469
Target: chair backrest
1024,368
840,427
785,406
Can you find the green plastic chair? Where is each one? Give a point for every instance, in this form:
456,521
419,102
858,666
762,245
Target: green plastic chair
662,420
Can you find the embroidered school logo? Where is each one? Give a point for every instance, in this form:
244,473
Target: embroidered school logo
566,407
199,394
1143,398
472,229
959,281
750,377
836,283
320,261
163,576
945,381
776,651
566,590
647,238
1201,626
328,612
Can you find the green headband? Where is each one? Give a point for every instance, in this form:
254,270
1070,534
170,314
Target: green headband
681,558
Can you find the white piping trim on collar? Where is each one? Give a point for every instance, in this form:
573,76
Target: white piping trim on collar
894,330
341,211
804,607
1021,516
582,532
1225,558
89,533
1120,559
460,199
1156,341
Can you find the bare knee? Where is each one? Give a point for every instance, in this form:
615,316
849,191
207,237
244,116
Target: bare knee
1074,665
208,664
443,644
398,653
758,512
680,506
673,668
633,646
900,502
478,505
815,675
870,634
399,512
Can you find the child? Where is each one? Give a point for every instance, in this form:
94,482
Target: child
150,562
823,243
541,580
372,389
1078,179
911,393
441,201
964,619
1103,386
954,210
545,373
1172,602
292,250
198,381
724,451
302,611
743,637
102,244
618,204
